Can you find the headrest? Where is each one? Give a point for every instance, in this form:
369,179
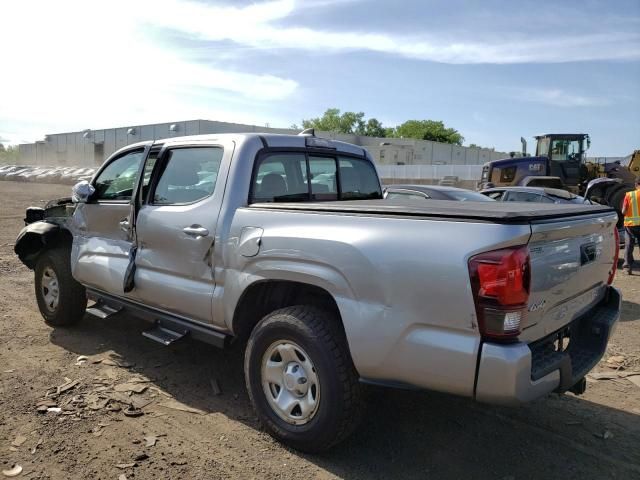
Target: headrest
273,185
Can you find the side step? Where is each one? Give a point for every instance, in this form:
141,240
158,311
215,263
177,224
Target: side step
102,310
164,335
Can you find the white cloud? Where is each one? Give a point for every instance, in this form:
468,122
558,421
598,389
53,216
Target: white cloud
253,26
559,98
76,64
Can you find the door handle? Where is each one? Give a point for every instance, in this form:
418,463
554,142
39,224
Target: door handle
196,231
124,224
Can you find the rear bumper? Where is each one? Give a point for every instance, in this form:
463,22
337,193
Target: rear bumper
518,373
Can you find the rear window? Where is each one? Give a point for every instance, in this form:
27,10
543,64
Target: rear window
301,177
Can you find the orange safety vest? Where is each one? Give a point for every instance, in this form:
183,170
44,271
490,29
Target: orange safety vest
632,217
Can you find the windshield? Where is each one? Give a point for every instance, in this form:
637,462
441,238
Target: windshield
469,196
563,150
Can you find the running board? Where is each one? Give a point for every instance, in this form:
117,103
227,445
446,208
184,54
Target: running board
164,335
196,330
102,310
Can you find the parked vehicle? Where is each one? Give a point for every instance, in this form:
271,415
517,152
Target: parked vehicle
533,194
228,238
548,195
435,192
561,162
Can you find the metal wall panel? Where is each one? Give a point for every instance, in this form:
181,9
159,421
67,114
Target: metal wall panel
192,127
109,142
442,153
410,151
457,155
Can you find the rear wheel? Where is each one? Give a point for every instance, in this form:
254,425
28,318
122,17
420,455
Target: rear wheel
301,379
61,300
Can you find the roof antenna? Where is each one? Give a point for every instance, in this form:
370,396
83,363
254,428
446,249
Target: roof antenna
308,132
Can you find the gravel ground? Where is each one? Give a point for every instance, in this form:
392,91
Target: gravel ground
189,432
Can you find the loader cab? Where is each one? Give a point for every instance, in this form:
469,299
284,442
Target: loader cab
567,156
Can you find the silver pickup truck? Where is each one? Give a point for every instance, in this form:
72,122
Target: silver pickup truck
284,243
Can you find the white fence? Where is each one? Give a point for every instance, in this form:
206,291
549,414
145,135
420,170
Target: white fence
425,172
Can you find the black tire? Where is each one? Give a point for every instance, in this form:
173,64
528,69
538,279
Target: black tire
340,404
72,299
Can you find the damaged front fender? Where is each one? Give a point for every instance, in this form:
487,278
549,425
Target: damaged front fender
36,237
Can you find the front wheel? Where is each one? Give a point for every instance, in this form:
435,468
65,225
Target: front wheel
301,379
61,300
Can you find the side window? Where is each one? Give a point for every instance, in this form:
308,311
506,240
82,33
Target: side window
496,195
358,179
117,180
544,199
507,174
188,175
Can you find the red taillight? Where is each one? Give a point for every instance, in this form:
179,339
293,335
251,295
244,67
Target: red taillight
500,282
616,253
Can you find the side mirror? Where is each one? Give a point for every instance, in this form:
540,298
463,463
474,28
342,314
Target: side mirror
81,192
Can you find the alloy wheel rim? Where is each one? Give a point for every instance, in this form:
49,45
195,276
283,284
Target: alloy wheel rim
290,382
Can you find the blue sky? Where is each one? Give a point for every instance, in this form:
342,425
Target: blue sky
494,70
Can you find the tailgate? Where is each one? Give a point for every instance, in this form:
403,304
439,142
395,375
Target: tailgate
571,260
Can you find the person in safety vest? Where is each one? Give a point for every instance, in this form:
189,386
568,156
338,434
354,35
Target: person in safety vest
631,212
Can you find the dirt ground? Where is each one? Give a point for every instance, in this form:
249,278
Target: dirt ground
197,434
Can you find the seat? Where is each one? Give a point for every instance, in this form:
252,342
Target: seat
272,186
172,187
349,180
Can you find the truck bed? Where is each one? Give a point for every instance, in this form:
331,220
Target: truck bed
494,212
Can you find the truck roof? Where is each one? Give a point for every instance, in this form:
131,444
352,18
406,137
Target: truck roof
267,139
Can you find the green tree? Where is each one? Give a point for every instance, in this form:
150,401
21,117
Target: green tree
374,128
347,122
8,154
428,130
333,120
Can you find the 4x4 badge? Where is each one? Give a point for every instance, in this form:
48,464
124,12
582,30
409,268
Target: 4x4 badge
537,306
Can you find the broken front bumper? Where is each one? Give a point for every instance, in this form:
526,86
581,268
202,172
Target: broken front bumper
518,373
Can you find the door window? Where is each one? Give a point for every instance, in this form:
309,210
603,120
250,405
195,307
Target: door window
189,175
117,181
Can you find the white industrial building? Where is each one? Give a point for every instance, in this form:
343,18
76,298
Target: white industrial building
91,147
